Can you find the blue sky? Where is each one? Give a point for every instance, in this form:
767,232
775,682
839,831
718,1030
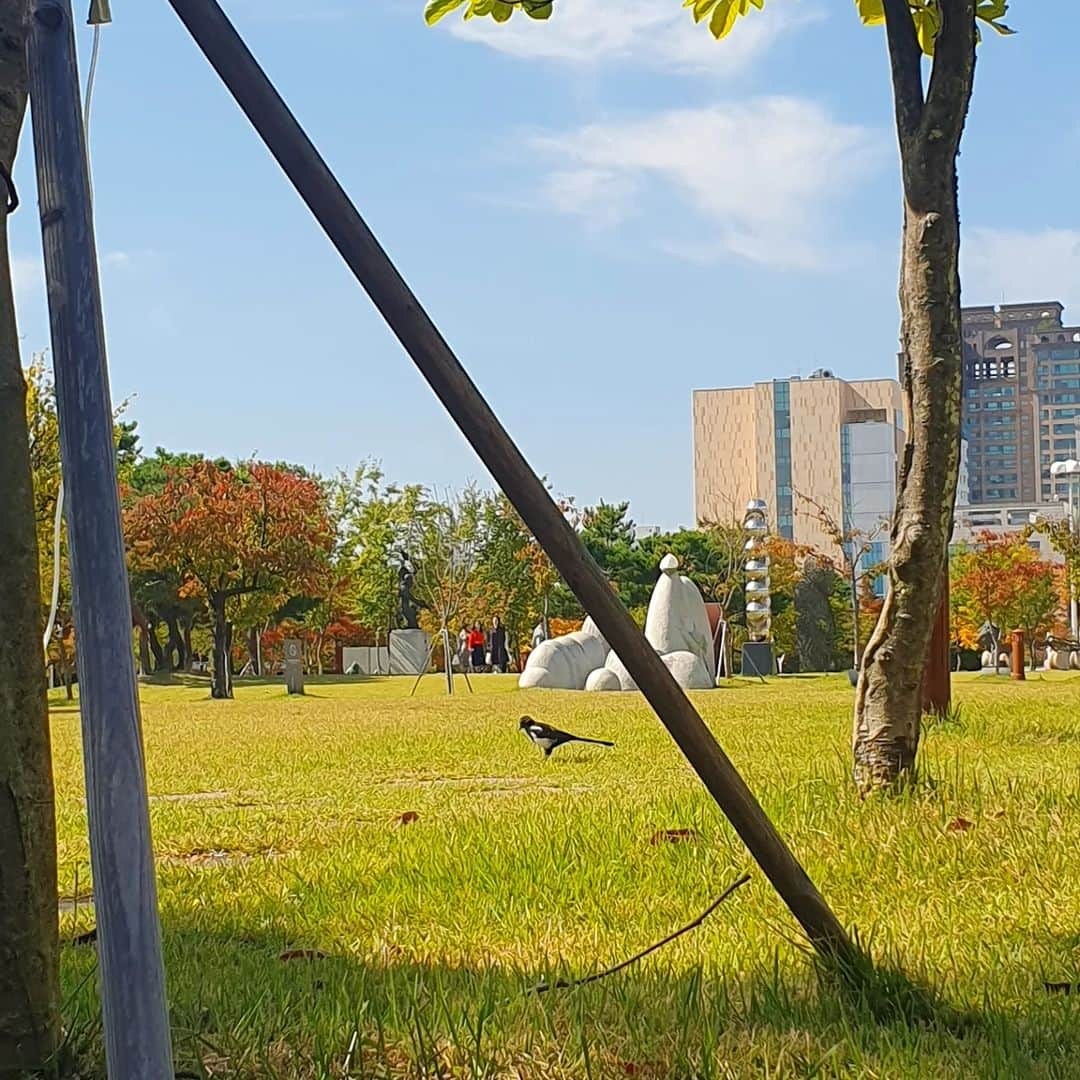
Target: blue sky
601,213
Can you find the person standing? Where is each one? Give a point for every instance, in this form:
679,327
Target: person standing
497,646
476,648
463,649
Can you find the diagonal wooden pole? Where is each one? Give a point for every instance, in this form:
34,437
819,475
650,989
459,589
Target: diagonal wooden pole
317,186
134,1009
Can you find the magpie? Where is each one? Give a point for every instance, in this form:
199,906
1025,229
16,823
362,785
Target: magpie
548,738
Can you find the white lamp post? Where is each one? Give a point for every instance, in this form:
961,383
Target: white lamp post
1070,469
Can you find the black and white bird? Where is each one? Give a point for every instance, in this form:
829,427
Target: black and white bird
548,738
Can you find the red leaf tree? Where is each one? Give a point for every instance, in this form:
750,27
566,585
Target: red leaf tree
232,532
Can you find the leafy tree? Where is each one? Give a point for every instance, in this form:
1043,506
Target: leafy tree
816,626
230,533
856,547
157,595
445,540
999,583
375,526
1038,602
43,432
930,116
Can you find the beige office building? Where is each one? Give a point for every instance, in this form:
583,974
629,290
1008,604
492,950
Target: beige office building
792,440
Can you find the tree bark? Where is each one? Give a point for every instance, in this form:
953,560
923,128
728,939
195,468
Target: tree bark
221,676
29,948
65,667
155,646
253,649
174,648
888,702
187,658
139,620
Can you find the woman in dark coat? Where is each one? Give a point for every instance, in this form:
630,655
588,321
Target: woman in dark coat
497,646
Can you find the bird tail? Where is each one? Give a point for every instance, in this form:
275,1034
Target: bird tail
595,742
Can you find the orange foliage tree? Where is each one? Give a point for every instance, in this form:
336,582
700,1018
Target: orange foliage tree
229,533
999,584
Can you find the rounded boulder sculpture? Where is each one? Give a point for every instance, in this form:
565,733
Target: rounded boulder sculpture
677,627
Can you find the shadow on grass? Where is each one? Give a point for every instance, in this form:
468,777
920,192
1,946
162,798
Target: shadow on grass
242,1007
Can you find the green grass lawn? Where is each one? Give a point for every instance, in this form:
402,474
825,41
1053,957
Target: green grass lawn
276,826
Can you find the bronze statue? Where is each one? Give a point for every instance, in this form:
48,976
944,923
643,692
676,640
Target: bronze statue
406,603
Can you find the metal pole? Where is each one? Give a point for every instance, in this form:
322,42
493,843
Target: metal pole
326,199
132,978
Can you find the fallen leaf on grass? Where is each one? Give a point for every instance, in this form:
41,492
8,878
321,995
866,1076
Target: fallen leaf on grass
673,836
958,825
302,954
407,818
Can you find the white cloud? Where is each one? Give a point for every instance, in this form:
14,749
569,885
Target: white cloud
1015,265
655,33
765,177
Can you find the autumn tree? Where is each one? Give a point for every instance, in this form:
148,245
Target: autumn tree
228,533
43,431
930,115
998,584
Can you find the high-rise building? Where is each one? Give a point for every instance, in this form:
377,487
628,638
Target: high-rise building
1021,400
801,444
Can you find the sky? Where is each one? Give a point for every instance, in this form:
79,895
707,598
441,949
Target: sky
602,213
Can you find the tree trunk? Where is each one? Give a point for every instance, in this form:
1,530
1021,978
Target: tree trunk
320,641
65,667
888,703
221,677
155,646
29,949
138,618
187,656
174,647
253,649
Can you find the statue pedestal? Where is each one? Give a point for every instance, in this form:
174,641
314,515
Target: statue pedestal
409,652
757,659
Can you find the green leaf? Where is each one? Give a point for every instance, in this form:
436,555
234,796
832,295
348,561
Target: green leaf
480,8
539,11
501,11
872,12
723,18
436,9
927,25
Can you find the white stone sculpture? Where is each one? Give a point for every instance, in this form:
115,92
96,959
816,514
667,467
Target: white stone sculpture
564,663
676,626
677,620
688,670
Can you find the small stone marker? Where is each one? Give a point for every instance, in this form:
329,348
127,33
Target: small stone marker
294,666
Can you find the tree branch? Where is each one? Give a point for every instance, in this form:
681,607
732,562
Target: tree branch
563,984
905,56
952,75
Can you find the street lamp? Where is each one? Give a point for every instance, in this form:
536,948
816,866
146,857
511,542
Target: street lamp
1070,469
